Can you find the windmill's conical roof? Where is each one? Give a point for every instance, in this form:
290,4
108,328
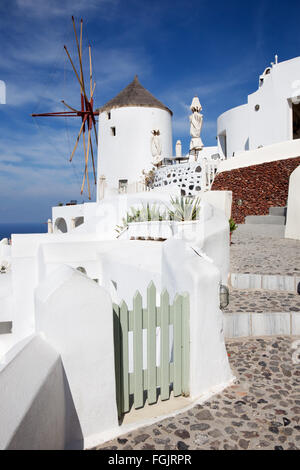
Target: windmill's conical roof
134,95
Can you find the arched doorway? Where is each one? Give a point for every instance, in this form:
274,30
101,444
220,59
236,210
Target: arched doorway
60,225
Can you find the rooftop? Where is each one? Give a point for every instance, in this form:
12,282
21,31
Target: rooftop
134,95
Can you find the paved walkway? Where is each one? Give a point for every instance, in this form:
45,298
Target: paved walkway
262,249
261,411
260,301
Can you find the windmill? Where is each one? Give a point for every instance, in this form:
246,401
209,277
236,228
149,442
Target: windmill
86,112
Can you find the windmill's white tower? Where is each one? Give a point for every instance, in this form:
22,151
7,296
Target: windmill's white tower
125,125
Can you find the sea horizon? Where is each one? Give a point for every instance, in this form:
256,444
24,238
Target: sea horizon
9,228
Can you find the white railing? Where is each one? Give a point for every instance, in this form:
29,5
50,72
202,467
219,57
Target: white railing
191,177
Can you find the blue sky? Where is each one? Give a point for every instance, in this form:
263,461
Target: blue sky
178,48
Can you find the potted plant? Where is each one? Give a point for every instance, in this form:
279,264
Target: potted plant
184,209
232,227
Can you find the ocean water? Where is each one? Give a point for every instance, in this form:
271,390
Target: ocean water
7,229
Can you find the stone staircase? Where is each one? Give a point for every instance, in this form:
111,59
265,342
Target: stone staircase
276,216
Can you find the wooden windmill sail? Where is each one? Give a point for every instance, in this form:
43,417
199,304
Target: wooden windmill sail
86,112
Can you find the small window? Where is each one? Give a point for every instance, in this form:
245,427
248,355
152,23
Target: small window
109,115
5,327
113,131
123,186
78,221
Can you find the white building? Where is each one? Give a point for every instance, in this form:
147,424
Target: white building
270,116
125,125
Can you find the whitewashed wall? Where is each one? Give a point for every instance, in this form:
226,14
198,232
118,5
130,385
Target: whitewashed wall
128,153
209,367
75,316
6,311
233,123
36,409
221,200
36,256
247,128
131,265
292,229
269,153
67,213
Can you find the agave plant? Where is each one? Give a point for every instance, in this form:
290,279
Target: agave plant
184,209
153,213
143,214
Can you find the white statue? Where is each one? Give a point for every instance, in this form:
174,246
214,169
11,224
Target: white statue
196,120
178,149
156,148
50,226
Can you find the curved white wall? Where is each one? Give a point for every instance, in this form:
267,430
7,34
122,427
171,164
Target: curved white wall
293,207
233,124
126,154
272,122
34,403
75,316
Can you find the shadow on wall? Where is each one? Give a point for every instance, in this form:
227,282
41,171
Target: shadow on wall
73,429
69,427
40,414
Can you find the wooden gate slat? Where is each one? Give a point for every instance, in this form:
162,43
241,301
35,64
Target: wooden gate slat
118,357
164,348
124,354
185,344
151,343
138,350
177,346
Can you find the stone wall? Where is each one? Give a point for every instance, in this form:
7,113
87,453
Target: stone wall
256,188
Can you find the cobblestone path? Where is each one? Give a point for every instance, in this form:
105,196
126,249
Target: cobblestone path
260,411
264,253
260,301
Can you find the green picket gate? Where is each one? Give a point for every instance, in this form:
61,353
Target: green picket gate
133,388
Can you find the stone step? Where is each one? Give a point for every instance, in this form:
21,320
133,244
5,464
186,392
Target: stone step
278,211
276,282
237,325
265,219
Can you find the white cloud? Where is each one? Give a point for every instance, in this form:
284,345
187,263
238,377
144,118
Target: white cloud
40,72
52,8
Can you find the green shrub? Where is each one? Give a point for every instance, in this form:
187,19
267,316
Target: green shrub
232,225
